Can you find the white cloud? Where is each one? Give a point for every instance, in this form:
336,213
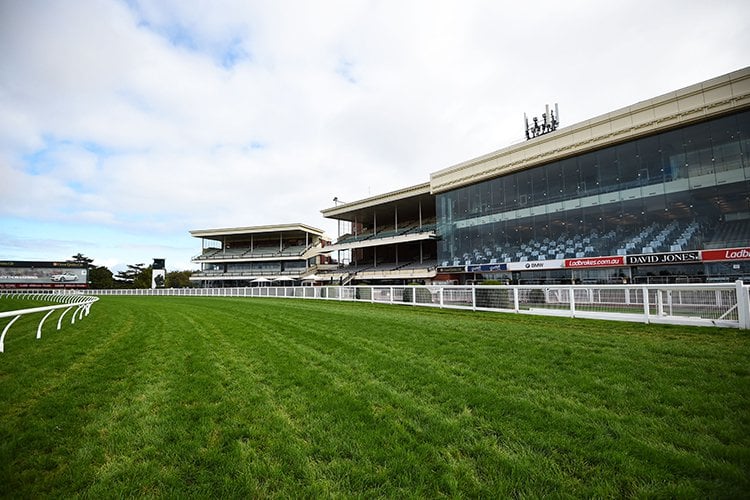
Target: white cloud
172,115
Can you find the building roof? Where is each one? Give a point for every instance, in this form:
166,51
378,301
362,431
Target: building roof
348,211
275,228
721,95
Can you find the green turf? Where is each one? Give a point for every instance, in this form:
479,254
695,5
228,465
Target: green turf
233,397
9,303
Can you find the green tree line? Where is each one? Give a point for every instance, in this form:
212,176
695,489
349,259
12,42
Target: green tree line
135,276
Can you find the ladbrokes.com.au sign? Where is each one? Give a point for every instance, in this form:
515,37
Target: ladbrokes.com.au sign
585,262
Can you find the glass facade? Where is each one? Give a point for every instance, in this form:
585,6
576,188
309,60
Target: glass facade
683,189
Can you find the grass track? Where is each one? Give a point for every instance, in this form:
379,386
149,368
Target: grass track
172,396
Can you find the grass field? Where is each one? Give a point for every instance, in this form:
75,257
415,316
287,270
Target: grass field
223,397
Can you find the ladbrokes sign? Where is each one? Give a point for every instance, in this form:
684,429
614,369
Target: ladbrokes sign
583,262
662,258
727,254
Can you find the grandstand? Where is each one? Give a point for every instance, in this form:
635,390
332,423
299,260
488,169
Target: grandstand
389,239
665,178
657,192
259,255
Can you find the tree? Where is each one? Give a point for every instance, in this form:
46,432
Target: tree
129,276
79,258
143,279
179,279
101,278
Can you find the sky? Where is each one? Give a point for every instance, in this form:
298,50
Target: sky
124,124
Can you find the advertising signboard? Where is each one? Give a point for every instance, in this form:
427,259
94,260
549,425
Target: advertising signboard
726,254
663,258
535,265
689,257
30,274
485,268
587,262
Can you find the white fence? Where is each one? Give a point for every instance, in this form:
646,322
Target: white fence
69,301
726,305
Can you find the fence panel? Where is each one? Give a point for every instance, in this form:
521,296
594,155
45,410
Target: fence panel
726,305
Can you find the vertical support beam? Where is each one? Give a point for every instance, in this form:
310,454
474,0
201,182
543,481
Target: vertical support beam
743,304
571,291
644,293
659,303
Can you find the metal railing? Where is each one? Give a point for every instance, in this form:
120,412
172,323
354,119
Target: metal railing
69,301
724,304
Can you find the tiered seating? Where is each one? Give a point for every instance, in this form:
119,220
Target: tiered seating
731,234
388,231
660,238
426,264
657,237
261,251
684,239
208,253
294,250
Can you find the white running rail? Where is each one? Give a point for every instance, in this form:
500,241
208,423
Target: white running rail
700,304
69,301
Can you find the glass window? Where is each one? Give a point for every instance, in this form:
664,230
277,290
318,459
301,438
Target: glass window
673,155
555,184
651,167
629,163
699,157
609,171
672,191
538,185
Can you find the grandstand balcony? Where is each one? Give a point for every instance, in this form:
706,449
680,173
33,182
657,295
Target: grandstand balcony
387,237
242,255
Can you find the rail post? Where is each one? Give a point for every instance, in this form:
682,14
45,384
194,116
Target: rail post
743,304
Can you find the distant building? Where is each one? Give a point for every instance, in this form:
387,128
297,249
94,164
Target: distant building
655,192
258,255
390,238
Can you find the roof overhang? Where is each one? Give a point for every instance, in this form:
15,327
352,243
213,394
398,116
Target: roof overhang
347,211
271,229
721,95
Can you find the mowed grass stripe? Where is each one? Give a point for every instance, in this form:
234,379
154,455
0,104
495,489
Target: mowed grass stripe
556,403
294,406
266,397
337,393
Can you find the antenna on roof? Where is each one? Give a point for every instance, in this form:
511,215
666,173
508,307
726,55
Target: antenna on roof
549,123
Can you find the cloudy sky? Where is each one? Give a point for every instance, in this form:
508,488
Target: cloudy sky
126,123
